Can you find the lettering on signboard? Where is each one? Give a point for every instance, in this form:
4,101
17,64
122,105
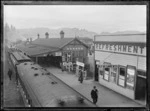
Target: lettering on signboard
122,48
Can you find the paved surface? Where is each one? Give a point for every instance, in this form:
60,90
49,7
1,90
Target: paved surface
107,97
11,96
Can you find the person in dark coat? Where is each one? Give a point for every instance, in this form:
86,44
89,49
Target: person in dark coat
94,95
10,74
80,76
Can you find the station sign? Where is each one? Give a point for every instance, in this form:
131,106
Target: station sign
67,64
80,63
97,62
74,48
121,47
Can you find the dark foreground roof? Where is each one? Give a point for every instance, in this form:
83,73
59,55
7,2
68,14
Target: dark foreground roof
33,50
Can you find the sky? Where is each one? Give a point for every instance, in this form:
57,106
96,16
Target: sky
96,18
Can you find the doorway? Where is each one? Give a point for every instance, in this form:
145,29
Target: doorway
140,92
96,72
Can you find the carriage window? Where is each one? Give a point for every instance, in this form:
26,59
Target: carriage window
122,73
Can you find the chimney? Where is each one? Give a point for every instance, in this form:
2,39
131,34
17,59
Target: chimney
38,36
62,34
46,35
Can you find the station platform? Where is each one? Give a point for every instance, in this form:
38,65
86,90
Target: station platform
106,97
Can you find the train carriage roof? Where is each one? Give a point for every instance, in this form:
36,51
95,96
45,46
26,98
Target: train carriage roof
19,56
48,89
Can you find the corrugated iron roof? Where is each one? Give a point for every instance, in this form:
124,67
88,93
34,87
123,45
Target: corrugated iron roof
52,42
32,49
42,45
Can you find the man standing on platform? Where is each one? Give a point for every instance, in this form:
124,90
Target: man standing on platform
94,94
10,74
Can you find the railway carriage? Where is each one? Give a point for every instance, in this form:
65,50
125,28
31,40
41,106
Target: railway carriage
39,88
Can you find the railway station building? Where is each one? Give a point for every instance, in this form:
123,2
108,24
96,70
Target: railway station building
71,52
120,64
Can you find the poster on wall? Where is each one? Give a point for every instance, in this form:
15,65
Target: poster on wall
106,75
121,82
122,75
130,77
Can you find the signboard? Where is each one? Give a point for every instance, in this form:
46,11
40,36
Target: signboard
121,82
67,64
97,62
80,64
58,54
119,47
74,48
130,77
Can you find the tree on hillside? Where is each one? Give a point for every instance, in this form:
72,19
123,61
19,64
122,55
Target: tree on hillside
6,30
13,28
18,41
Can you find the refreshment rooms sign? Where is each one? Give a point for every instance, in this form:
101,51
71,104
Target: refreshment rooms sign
129,48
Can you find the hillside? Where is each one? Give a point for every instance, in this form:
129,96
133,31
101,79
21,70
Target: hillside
54,33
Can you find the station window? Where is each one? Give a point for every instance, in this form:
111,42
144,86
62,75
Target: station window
101,70
106,71
141,73
122,75
130,77
113,74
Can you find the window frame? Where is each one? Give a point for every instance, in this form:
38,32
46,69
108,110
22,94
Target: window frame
121,66
141,75
106,63
100,69
116,66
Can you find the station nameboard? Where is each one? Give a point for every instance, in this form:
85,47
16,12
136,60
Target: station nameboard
80,63
129,48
